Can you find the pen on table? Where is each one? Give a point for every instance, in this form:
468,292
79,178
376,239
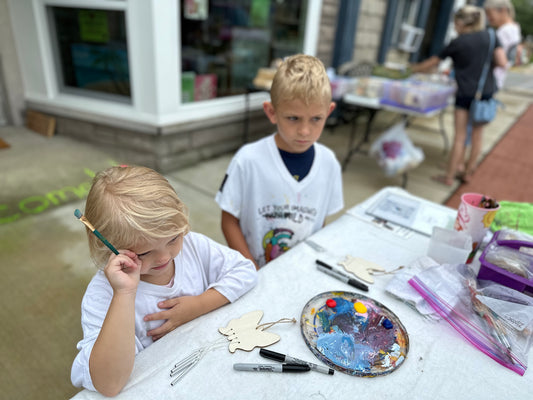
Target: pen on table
272,367
383,222
286,358
328,269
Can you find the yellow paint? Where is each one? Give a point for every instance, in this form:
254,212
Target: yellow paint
359,307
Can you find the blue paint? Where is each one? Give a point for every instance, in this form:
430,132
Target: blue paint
351,342
342,317
341,349
350,339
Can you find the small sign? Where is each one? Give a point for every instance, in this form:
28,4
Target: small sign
93,26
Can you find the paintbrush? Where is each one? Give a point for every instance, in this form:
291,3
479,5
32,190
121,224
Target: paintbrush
491,319
86,222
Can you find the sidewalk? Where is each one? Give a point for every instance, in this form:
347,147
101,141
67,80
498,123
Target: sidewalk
503,174
43,251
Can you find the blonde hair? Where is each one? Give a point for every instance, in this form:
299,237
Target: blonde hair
301,77
130,206
471,18
500,5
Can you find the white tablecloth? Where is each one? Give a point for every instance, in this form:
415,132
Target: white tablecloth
440,363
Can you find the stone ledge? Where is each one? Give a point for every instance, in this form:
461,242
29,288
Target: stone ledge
177,147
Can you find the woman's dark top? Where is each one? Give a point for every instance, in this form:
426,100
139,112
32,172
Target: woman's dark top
469,53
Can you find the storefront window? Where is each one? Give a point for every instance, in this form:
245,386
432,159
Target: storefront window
91,52
225,42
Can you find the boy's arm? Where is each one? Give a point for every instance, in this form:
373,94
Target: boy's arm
234,236
113,354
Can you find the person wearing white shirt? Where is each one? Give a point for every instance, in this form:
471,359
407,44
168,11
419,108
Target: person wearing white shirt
161,277
500,15
278,190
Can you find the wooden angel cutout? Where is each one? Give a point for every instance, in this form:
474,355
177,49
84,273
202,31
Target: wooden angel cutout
244,333
361,268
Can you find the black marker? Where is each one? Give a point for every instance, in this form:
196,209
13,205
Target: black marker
272,367
286,358
328,269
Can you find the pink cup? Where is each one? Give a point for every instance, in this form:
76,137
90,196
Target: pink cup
473,219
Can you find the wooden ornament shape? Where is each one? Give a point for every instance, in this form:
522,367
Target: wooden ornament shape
361,268
243,333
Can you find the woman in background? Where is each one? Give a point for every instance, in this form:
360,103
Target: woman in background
468,52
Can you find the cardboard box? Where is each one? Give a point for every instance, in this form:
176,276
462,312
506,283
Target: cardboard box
40,123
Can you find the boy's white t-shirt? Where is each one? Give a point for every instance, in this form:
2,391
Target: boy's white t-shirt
201,264
275,210
508,35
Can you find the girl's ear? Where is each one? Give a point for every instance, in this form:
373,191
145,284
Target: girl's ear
270,112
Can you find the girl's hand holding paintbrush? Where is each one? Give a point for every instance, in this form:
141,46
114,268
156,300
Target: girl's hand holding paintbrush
123,271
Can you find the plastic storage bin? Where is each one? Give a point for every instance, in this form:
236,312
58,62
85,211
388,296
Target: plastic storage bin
448,246
340,85
490,271
416,95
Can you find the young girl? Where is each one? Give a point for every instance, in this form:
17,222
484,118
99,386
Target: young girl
161,265
500,14
469,53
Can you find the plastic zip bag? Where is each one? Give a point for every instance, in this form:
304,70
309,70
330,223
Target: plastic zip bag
452,291
511,251
395,152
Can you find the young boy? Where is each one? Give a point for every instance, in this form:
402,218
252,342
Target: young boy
161,265
278,191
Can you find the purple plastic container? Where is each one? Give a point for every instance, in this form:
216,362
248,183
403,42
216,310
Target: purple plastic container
491,272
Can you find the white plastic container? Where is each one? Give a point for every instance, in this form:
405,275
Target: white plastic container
448,246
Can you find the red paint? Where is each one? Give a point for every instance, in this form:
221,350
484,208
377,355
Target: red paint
331,303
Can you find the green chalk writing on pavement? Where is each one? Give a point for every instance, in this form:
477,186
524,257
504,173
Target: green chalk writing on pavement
39,203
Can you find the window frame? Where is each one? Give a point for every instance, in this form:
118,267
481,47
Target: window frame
58,67
154,57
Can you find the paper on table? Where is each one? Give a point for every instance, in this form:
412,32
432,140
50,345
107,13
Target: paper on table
399,287
410,213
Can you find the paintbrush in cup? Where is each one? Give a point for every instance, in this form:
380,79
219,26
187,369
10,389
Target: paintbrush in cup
86,222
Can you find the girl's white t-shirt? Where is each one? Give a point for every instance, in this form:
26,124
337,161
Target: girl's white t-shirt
276,211
201,264
508,35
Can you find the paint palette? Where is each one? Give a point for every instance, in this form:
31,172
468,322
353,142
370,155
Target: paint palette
365,344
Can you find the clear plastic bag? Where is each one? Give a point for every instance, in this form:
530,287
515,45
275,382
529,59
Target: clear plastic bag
395,152
510,259
501,326
512,251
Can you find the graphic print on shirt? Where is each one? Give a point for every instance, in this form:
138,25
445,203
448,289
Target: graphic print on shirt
280,237
275,242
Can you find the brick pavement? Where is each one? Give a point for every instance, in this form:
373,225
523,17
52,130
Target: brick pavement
506,172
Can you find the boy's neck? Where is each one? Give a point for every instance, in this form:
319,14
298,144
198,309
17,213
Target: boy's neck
280,145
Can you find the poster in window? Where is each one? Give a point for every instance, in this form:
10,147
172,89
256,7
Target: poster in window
93,26
196,9
260,13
